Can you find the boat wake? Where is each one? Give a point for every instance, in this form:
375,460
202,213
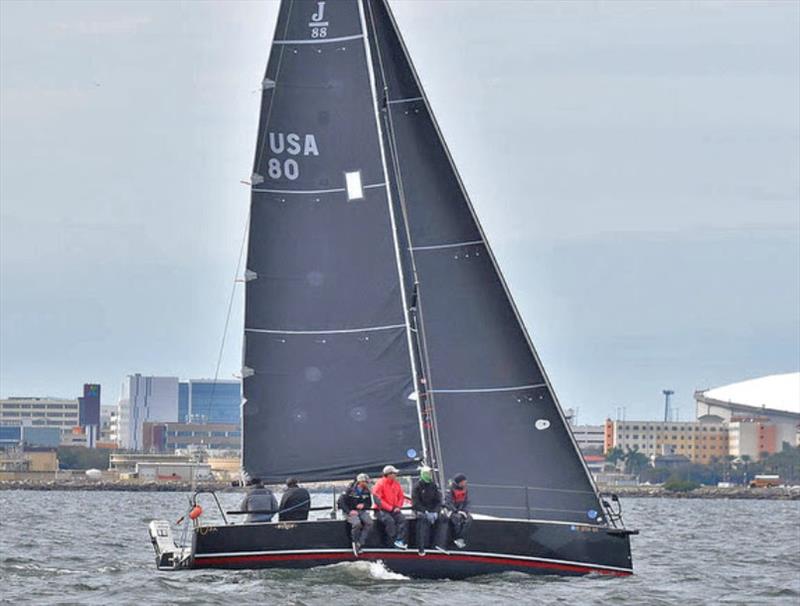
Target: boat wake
372,571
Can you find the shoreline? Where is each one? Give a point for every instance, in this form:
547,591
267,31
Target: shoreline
785,493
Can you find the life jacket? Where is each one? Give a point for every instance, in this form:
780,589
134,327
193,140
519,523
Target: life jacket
459,495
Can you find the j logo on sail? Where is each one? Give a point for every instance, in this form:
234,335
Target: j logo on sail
319,28
318,16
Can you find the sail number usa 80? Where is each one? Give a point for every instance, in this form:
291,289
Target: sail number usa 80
292,144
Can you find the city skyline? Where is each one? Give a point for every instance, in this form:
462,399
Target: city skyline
635,171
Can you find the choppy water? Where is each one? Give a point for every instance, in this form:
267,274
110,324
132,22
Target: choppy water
92,548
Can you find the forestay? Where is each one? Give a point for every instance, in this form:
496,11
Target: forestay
327,365
493,413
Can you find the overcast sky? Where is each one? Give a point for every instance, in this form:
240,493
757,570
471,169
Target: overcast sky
636,167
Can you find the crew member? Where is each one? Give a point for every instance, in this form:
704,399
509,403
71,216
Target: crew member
456,502
260,499
426,501
389,499
356,502
295,502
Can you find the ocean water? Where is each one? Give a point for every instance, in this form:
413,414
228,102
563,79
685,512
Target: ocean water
93,548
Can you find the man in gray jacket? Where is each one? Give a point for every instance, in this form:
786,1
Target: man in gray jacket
259,498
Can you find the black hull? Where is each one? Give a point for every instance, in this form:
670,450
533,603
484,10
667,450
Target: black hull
494,546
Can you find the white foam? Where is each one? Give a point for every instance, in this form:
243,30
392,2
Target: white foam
377,570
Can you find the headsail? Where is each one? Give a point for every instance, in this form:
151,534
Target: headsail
494,413
327,365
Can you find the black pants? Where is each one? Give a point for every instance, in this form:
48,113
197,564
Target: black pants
438,528
360,526
394,524
460,525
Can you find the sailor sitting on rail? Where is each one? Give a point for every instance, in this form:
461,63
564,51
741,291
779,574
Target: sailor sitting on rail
426,500
356,502
389,499
260,499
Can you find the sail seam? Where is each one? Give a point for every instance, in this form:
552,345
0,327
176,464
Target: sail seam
490,389
319,40
342,331
312,191
406,100
439,246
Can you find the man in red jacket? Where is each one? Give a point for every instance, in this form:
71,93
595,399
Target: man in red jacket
389,499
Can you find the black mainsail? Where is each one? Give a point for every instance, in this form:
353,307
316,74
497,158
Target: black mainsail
378,328
328,372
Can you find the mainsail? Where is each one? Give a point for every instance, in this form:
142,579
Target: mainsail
378,326
328,375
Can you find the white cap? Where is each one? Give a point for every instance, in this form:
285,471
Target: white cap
389,469
362,477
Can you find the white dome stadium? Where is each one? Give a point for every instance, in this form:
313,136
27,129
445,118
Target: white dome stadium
773,392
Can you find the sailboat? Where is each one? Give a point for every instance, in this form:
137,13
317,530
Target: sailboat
379,329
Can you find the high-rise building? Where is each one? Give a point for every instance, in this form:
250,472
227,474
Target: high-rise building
183,401
209,401
144,399
89,405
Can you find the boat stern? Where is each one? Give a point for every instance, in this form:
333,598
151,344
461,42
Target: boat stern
169,555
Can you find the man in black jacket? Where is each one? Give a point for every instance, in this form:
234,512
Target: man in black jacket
426,501
356,503
295,503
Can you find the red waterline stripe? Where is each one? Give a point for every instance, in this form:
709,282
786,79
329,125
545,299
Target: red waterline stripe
222,560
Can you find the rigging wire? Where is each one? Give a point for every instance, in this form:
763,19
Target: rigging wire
230,307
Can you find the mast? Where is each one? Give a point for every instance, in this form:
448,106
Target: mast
412,357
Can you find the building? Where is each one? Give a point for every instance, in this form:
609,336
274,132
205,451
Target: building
761,413
590,438
41,412
89,406
209,401
169,437
172,472
144,399
23,436
108,427
774,397
754,436
33,462
700,441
